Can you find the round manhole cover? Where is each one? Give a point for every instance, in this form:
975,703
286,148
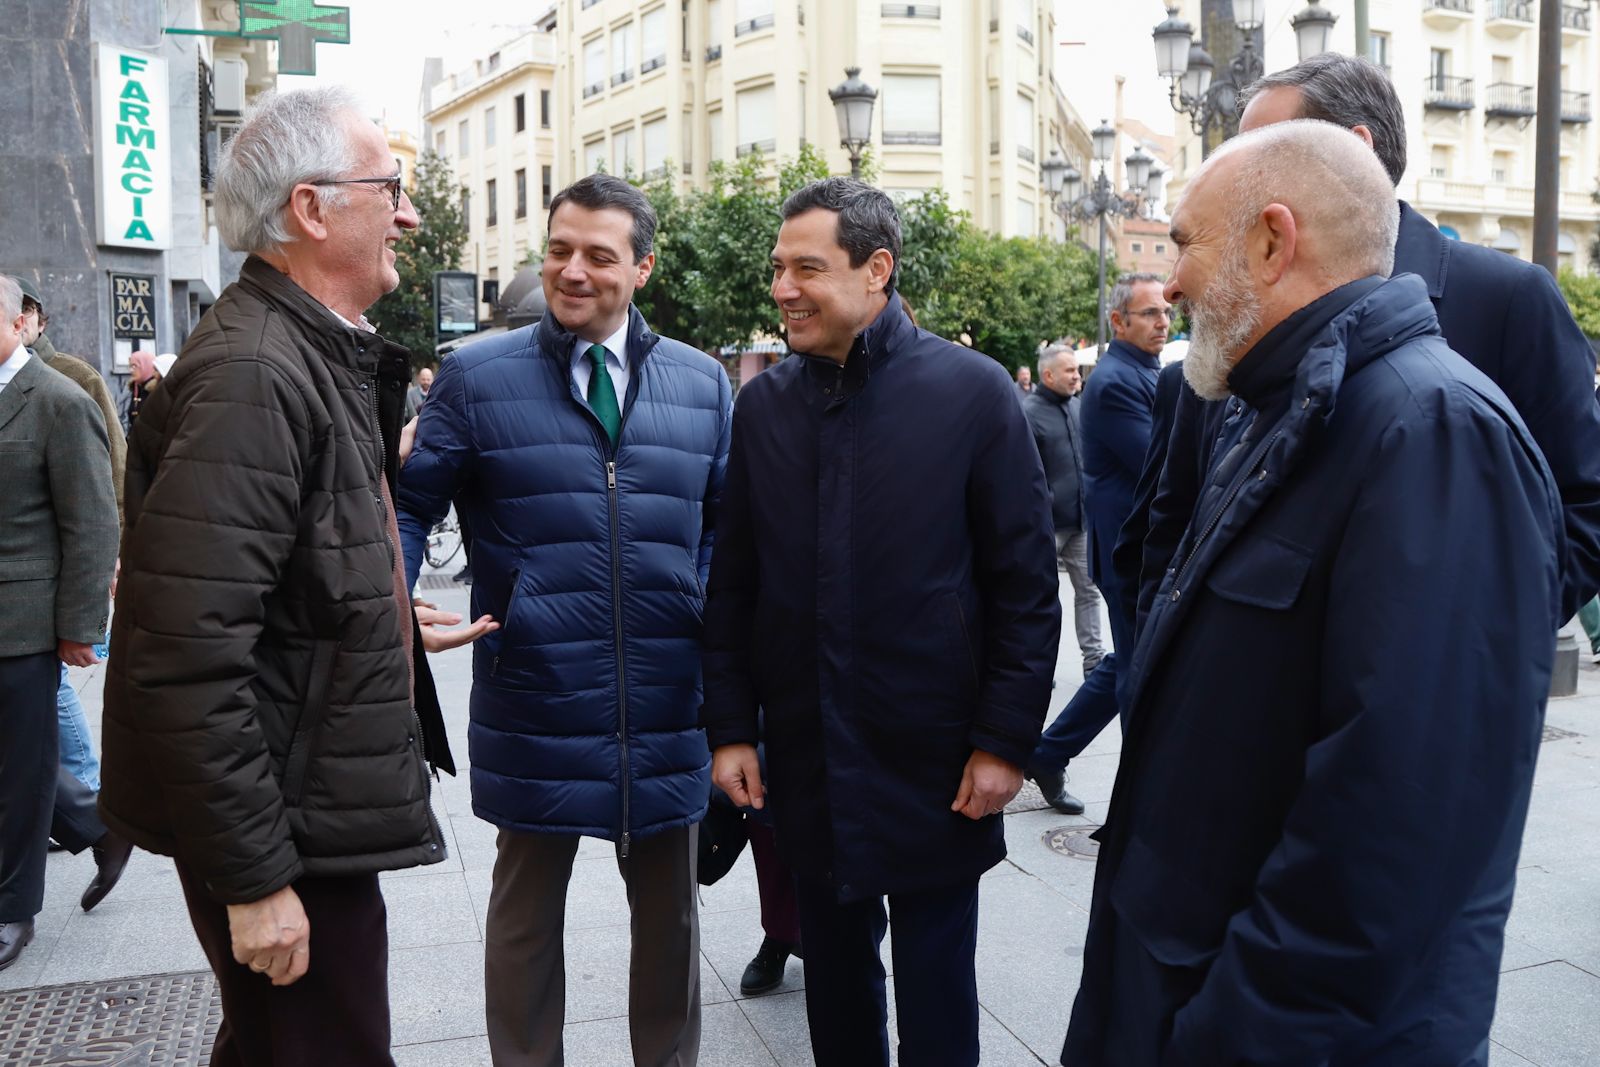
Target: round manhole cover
1073,841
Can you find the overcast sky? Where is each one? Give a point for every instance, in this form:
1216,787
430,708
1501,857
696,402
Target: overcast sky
391,38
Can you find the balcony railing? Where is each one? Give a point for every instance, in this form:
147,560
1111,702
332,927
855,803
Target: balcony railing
621,76
1516,10
911,137
1025,33
1025,153
1574,106
1506,99
911,11
766,146
589,3
1447,93
654,173
1575,17
800,12
713,53
994,148
994,25
1463,6
653,63
760,22
594,89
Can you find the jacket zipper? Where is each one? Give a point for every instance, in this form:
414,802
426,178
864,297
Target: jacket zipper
1216,516
383,523
622,663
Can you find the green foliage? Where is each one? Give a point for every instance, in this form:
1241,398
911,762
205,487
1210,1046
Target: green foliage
930,239
406,316
1583,297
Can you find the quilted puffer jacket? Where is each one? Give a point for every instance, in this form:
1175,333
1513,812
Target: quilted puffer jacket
594,559
259,722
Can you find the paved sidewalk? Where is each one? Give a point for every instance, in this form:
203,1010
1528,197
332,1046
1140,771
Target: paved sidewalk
1034,913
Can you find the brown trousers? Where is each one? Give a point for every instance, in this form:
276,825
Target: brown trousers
524,964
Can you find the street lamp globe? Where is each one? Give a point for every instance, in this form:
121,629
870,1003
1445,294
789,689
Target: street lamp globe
1139,163
1052,170
1105,141
1071,184
1197,79
1173,38
1248,15
852,105
1152,185
1313,30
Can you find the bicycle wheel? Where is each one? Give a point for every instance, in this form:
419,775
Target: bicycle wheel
443,544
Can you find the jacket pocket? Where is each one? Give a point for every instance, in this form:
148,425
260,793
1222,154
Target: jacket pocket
29,568
312,712
505,620
962,633
1263,573
1178,921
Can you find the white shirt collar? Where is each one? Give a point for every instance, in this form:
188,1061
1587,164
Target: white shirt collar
364,326
13,364
616,347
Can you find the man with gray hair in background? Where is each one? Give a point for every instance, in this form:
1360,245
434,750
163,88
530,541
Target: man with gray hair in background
1053,412
259,723
1384,483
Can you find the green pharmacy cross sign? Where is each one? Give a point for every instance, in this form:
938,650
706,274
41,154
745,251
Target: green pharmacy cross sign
297,25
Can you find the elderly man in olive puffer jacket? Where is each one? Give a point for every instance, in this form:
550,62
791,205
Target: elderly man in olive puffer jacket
261,719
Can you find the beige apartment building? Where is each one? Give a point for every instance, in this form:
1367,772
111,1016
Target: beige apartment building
1465,71
496,122
967,99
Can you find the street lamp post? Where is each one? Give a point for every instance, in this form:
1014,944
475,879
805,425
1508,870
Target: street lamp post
1210,97
852,106
1102,202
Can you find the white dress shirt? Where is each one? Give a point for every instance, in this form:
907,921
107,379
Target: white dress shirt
616,363
13,363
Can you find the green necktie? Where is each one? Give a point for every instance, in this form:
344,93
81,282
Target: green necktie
602,394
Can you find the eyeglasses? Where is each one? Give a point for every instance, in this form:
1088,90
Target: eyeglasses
392,181
1152,314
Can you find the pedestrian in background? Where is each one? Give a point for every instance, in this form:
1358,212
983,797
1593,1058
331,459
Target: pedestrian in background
883,614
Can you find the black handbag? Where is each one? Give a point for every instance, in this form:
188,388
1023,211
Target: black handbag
723,835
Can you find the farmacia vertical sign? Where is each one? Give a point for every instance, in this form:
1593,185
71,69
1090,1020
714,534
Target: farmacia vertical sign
133,150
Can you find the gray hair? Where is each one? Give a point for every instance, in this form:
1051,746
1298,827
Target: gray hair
1347,91
287,139
10,298
867,218
1122,292
1052,354
1335,186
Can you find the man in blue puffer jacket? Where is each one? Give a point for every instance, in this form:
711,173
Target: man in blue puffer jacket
587,454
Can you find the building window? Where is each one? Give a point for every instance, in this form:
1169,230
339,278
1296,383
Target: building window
1161,249
438,141
1025,128
1025,218
494,62
522,193
466,206
655,149
1025,20
546,186
1378,43
544,109
910,109
622,54
1138,248
653,39
463,138
488,127
758,120
1439,162
622,152
594,156
752,15
713,30
714,136
491,204
594,67
522,111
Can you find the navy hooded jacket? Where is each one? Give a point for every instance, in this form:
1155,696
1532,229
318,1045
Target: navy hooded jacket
593,559
884,589
1357,632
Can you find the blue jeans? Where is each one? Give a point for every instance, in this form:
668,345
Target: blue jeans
77,744
1097,701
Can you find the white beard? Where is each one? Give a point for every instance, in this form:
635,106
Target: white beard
1221,320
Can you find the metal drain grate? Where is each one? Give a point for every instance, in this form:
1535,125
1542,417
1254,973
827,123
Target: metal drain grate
1556,733
166,1019
1073,841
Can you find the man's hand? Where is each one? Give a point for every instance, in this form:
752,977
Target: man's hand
115,574
408,437
987,785
272,936
434,639
75,655
736,770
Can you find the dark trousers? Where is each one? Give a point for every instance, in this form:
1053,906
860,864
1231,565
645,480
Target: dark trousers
38,800
780,912
337,1014
1097,701
935,980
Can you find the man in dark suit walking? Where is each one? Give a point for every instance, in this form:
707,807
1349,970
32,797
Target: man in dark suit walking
58,547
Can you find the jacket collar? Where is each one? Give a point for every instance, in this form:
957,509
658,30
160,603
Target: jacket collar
1134,355
15,395
1422,250
339,343
44,349
556,341
890,331
1269,368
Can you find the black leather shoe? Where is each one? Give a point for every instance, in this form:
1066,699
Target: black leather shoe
14,937
110,857
1053,784
765,972
463,576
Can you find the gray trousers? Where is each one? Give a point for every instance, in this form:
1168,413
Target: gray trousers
1072,552
525,979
